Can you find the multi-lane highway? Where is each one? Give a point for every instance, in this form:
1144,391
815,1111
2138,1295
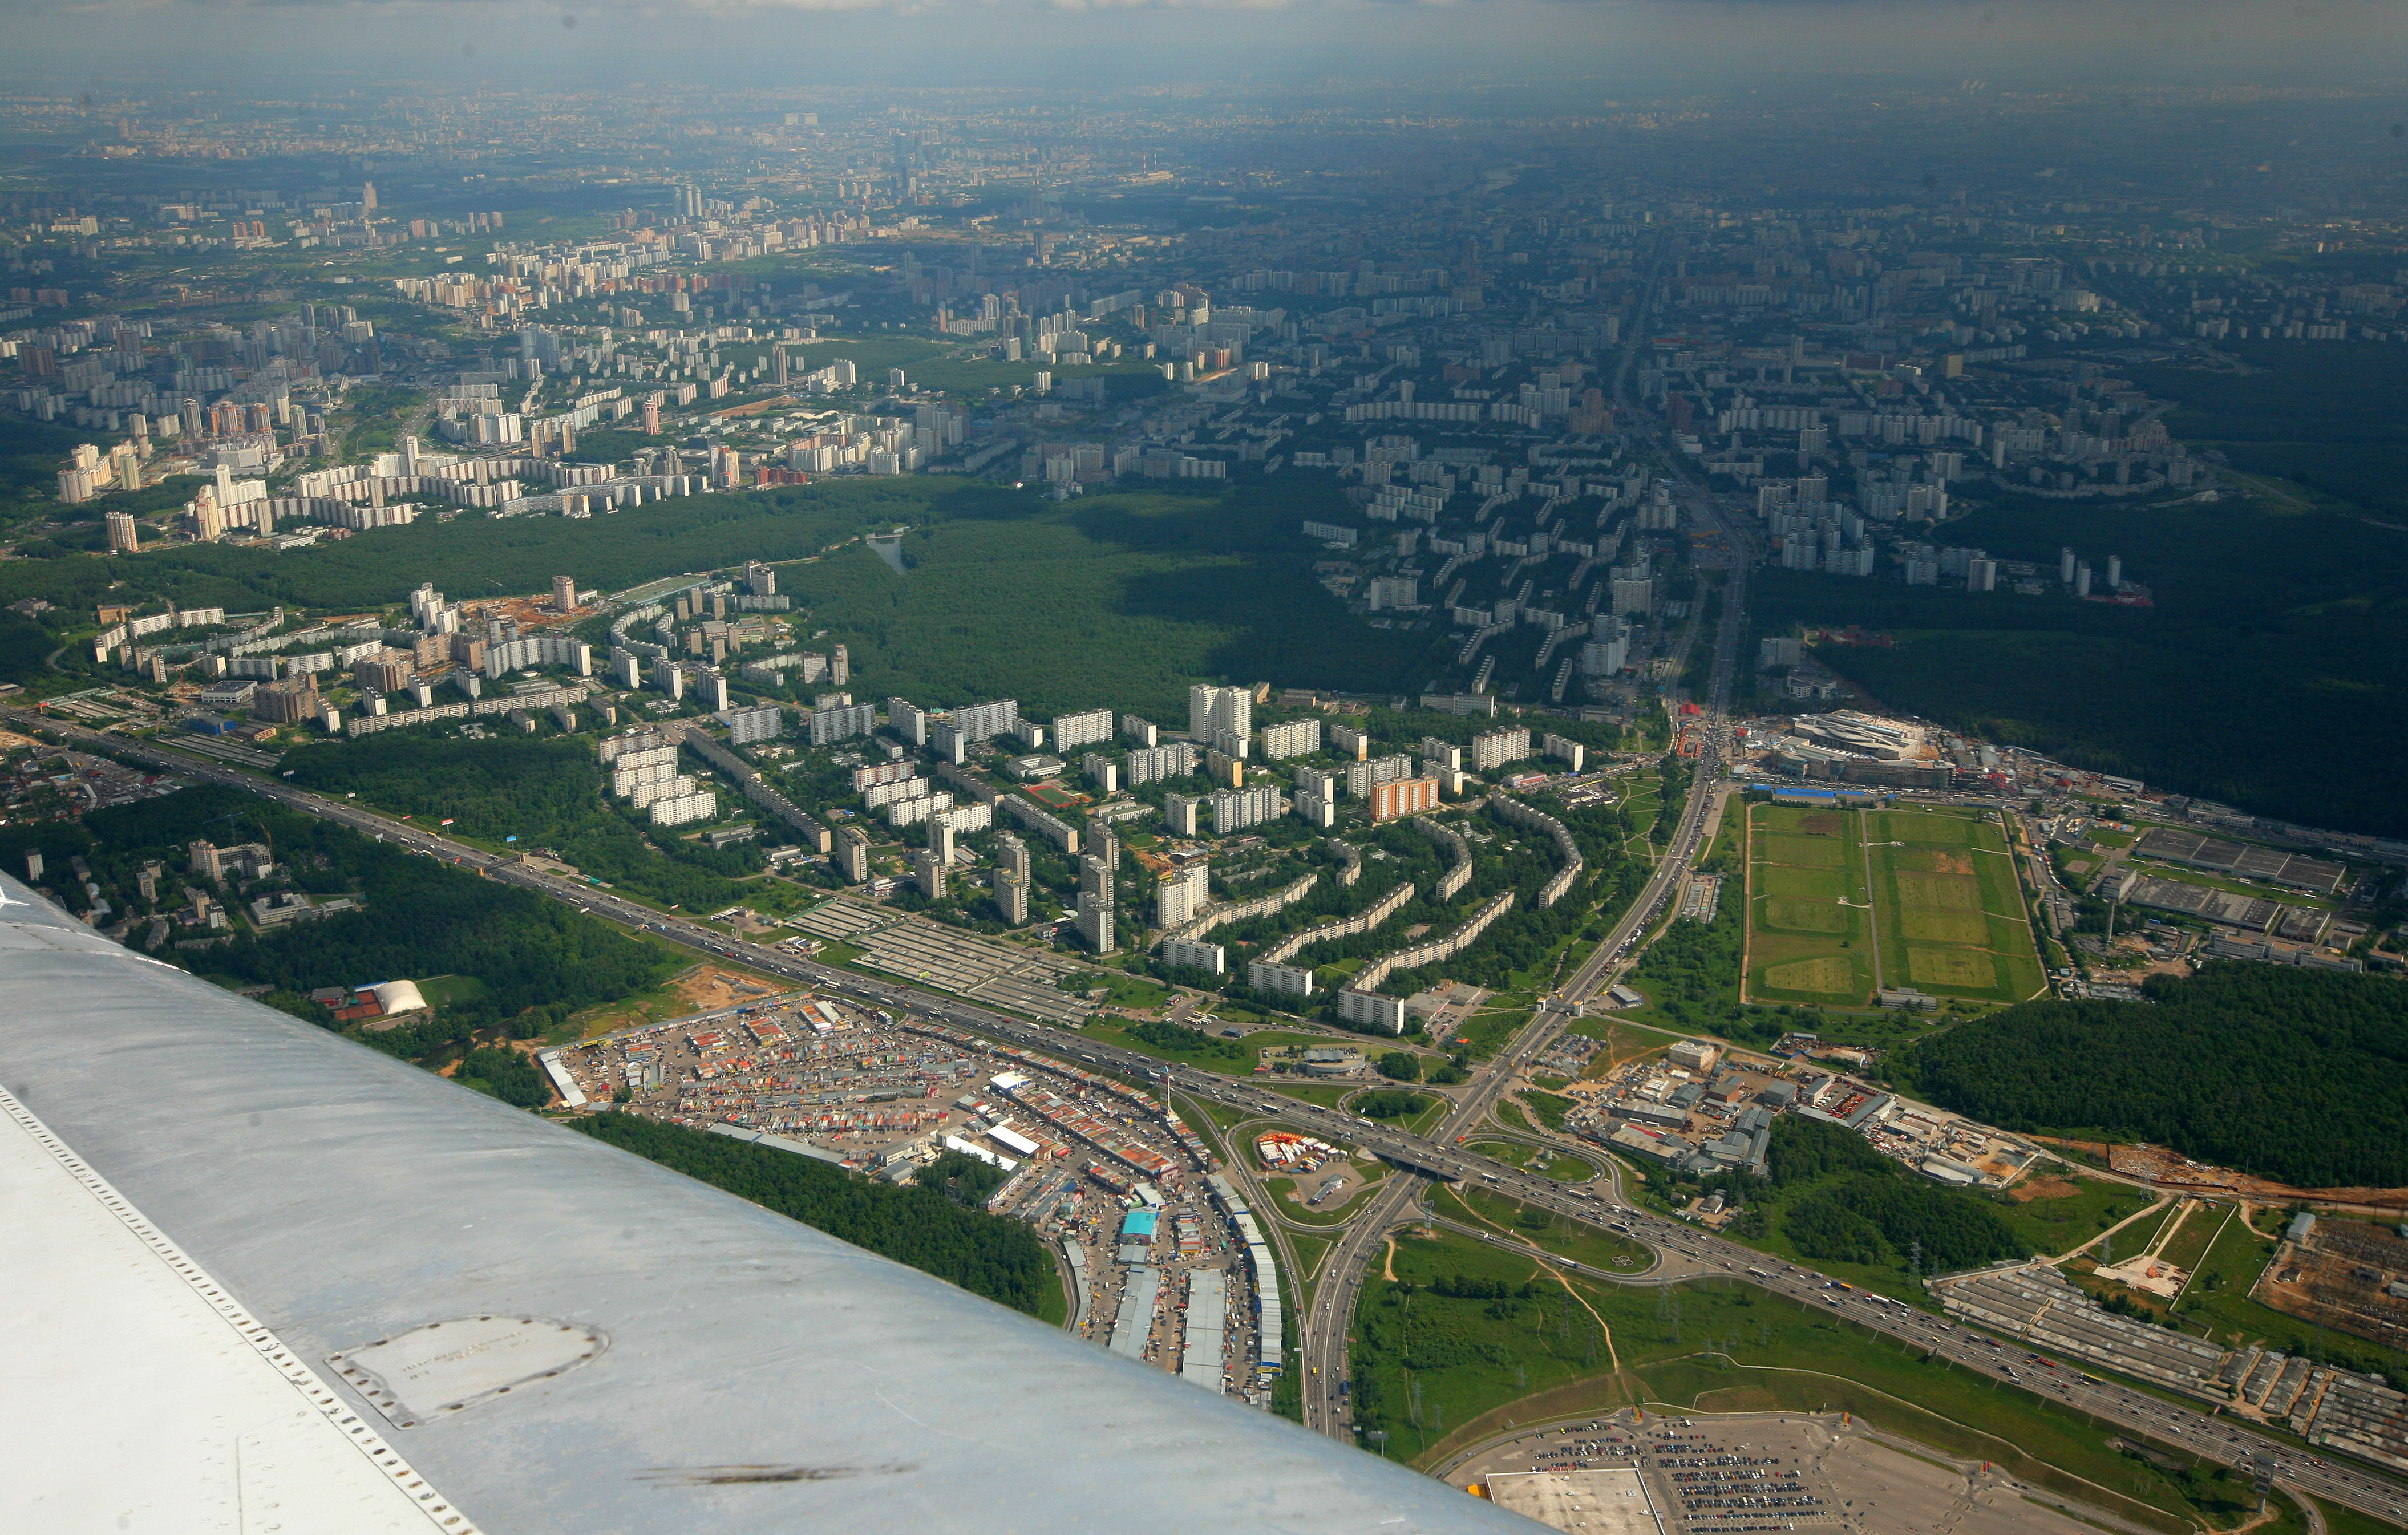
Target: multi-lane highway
2215,1438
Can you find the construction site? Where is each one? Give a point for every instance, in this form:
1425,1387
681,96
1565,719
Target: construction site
2351,1276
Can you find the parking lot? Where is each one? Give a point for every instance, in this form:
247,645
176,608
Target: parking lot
1747,1473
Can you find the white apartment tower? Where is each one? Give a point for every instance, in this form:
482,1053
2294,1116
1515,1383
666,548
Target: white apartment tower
1214,711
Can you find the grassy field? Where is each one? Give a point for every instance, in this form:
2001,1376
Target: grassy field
1327,1097
1565,1237
2190,1240
1810,929
1843,901
2349,1521
1439,1371
2062,1214
1235,1058
1309,1253
1493,1027
1336,1215
443,989
1554,1164
1950,913
1623,1041
1054,1304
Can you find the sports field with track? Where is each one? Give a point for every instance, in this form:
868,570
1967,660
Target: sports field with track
1842,902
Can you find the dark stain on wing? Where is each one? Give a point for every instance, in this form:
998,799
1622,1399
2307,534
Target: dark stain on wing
723,1476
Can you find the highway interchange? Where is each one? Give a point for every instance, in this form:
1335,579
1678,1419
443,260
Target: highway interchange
1326,1330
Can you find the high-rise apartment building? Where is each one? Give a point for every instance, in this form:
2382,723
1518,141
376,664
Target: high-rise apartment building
843,723
1234,810
1011,855
1011,896
1202,956
1094,878
1219,710
747,725
985,722
1403,797
1181,896
853,853
1094,919
1291,739
1498,747
1072,731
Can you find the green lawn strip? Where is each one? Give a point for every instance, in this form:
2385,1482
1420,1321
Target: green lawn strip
2190,1244
1325,1095
1210,1118
1287,1390
1054,1304
1426,1121
443,989
1302,1283
1210,1051
1479,1361
2217,1305
2349,1521
1561,1234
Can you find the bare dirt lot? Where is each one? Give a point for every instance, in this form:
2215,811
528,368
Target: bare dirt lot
699,988
2177,1173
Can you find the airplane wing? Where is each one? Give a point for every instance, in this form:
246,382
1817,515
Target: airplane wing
260,1279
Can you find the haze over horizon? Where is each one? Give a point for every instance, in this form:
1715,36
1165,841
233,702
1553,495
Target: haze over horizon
1642,46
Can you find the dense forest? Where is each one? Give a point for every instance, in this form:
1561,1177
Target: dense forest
538,961
546,791
470,555
2270,629
991,1256
2326,417
1888,1219
1120,599
2292,1074
1838,1199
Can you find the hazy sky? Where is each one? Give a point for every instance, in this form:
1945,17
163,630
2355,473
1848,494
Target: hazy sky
1644,46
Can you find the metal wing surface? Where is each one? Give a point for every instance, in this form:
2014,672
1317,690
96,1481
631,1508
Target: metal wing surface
260,1279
